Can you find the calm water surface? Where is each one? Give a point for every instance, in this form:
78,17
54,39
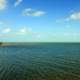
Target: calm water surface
45,61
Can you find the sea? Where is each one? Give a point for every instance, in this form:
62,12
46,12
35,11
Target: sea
40,61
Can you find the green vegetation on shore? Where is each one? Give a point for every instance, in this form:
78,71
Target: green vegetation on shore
31,43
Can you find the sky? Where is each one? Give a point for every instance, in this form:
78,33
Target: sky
39,20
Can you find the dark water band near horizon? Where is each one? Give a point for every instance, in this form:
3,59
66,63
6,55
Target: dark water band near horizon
49,61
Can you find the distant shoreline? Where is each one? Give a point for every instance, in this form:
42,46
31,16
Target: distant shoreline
30,43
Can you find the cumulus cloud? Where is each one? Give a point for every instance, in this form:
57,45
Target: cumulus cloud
38,13
72,17
2,4
31,12
6,30
28,9
24,30
75,16
17,2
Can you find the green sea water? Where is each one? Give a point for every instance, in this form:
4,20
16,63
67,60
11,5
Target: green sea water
43,61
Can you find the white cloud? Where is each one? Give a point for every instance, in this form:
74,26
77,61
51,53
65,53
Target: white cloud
28,9
2,4
6,30
24,30
38,13
17,2
72,17
75,16
31,12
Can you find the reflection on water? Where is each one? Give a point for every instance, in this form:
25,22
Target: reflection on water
48,61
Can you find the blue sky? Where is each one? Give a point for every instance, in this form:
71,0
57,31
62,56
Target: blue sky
39,20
